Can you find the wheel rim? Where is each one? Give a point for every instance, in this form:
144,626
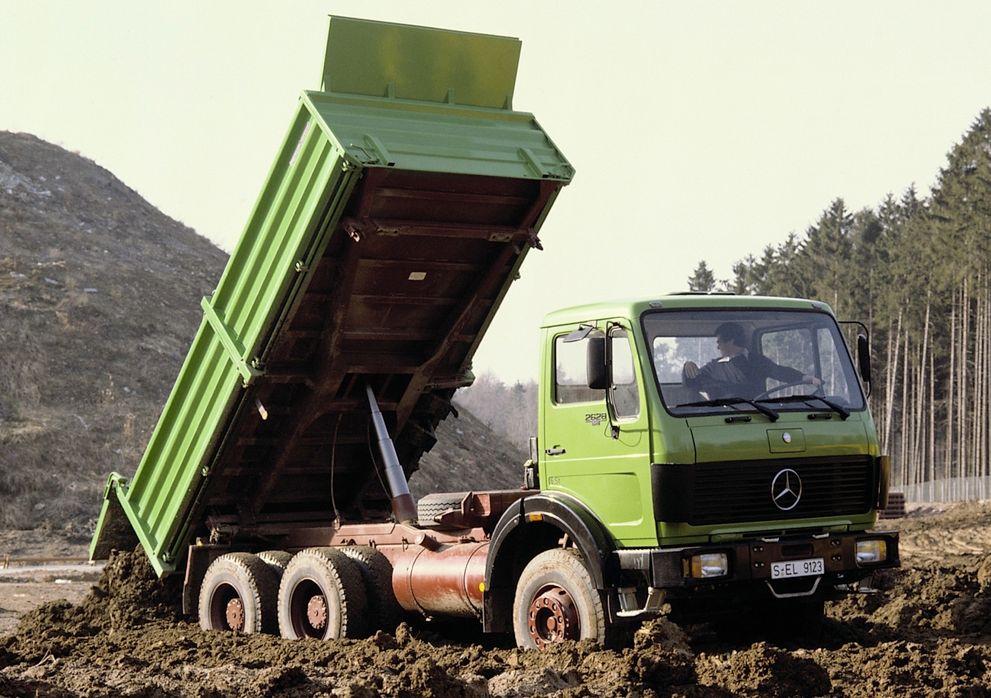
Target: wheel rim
308,610
316,612
227,609
553,617
235,615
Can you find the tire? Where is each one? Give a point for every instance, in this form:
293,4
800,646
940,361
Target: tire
322,595
384,611
276,560
433,505
238,593
556,589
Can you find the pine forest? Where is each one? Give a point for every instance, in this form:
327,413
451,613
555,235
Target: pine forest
917,271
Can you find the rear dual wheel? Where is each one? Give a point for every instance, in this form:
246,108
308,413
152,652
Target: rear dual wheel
384,611
276,560
322,595
239,594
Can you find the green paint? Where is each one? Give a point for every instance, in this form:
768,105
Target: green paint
380,59
612,476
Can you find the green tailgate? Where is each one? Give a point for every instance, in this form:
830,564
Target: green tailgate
392,223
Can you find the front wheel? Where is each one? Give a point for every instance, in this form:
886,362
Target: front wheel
556,601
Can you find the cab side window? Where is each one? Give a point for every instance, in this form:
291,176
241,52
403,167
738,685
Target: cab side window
571,373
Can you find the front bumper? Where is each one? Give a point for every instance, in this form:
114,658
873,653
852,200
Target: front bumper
751,560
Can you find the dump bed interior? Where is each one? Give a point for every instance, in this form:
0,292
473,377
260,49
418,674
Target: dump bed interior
397,213
398,300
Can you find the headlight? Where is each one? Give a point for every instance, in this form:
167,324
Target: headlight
710,565
870,552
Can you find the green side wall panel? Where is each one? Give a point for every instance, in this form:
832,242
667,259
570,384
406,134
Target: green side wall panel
310,176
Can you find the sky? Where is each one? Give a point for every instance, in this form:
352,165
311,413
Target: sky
699,130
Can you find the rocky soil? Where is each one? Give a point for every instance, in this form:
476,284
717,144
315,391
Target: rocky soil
927,632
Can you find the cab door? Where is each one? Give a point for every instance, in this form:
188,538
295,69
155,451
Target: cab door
600,458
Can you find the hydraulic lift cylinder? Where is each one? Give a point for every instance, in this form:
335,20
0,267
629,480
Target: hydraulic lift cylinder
403,507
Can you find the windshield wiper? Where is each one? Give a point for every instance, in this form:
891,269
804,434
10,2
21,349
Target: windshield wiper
728,401
842,411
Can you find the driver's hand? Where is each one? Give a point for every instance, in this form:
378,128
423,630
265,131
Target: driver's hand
690,370
812,379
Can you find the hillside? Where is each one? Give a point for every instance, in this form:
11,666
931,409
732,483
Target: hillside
99,299
468,456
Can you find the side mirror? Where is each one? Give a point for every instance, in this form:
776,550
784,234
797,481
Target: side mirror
864,358
597,363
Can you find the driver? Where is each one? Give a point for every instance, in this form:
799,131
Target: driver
737,372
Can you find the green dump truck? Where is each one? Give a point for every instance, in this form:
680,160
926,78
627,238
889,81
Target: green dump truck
398,212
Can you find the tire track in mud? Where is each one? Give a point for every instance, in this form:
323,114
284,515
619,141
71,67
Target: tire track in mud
927,632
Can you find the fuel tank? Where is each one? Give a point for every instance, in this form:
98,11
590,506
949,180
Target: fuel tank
445,581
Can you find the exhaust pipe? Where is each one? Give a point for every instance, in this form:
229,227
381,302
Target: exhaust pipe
403,507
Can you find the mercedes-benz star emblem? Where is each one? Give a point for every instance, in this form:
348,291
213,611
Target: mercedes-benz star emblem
786,489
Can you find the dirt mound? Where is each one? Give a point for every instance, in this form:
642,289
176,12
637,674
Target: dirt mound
126,597
468,455
99,299
926,632
766,671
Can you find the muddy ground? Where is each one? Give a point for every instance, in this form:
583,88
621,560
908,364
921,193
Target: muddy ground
928,632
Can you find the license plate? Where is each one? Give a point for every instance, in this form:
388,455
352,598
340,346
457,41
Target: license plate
797,568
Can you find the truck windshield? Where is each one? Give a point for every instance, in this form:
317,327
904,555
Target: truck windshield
709,361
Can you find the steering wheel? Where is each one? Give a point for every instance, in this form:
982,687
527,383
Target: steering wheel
785,386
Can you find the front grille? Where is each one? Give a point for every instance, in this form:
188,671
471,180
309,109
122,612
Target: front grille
740,491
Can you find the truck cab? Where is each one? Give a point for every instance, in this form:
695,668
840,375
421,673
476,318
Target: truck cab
759,478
